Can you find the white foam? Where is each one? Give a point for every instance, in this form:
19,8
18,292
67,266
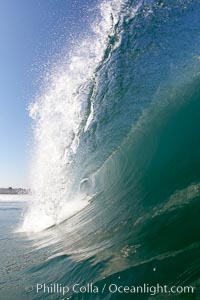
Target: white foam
14,198
58,114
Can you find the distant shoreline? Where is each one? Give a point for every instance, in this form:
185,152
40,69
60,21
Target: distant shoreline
14,191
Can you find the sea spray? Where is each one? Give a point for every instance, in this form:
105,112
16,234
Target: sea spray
61,113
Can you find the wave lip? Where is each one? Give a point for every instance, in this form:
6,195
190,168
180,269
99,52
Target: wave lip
61,114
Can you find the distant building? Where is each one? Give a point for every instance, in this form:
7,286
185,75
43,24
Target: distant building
12,191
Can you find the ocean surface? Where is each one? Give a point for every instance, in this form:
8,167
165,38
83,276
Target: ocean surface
115,163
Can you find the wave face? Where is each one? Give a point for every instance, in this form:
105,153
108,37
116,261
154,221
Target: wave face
63,114
117,145
68,119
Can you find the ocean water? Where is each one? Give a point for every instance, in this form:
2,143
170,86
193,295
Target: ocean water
115,162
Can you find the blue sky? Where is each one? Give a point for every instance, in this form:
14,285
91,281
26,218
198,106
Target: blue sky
32,33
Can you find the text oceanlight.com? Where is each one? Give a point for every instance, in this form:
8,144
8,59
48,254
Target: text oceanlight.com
113,288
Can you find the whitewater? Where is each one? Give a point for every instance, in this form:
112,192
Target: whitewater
63,113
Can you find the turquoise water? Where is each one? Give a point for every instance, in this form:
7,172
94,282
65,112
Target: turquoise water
136,160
